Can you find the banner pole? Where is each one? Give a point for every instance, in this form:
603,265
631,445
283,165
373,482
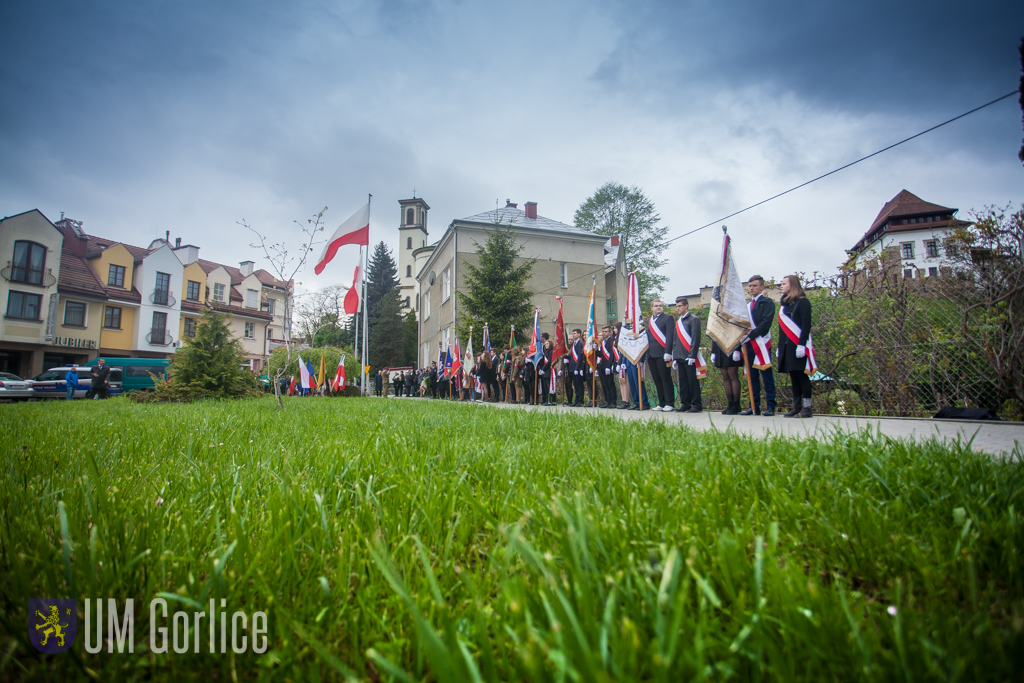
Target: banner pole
746,367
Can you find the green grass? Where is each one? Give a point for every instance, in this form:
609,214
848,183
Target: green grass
400,540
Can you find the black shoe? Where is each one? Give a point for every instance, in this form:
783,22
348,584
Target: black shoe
769,413
748,411
682,409
695,409
633,408
794,411
623,406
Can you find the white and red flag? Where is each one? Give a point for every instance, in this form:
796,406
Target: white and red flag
729,320
356,230
339,377
352,295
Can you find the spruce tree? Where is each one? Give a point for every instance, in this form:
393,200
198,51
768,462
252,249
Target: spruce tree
494,291
410,337
385,347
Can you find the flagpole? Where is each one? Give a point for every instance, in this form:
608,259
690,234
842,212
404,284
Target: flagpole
355,321
508,375
746,367
362,368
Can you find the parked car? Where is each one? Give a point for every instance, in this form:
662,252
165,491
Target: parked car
14,388
51,384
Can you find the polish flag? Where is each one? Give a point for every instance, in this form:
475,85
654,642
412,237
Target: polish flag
352,296
356,230
339,377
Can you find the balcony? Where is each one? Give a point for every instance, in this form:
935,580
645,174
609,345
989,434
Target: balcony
159,337
28,276
162,297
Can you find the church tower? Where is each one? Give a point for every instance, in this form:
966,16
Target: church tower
412,234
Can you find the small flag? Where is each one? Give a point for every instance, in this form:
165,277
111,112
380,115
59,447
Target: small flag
487,340
559,349
313,384
536,347
339,376
590,344
303,374
352,295
323,371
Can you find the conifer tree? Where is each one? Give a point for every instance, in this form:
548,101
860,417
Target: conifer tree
385,326
495,291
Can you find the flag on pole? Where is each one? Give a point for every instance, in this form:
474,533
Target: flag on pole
303,374
356,230
456,356
448,361
512,338
440,360
632,340
487,340
323,371
729,320
339,377
470,362
313,384
352,295
590,343
559,349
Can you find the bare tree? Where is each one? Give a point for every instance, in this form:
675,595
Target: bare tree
285,266
319,308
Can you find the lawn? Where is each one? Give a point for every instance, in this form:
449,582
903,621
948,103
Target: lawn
411,540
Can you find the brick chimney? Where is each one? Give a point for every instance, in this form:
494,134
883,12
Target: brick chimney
615,240
531,209
510,205
246,267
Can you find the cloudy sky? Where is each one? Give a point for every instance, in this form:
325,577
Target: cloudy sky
140,118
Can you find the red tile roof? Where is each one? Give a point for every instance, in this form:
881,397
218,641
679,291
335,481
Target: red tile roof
78,277
906,205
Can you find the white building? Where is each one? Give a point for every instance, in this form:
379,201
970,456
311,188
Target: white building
916,228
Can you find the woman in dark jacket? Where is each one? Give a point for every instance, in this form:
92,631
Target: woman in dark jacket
793,343
728,364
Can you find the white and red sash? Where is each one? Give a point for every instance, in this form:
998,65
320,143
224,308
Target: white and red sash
656,331
575,356
762,347
793,331
687,340
604,350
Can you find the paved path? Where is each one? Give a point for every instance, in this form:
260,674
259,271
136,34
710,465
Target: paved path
997,438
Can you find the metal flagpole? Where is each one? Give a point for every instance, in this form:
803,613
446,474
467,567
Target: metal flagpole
355,322
362,369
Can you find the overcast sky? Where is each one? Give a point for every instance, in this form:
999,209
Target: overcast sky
144,117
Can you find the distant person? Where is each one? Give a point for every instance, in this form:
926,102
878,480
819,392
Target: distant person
685,345
762,310
100,386
386,374
659,357
378,383
72,381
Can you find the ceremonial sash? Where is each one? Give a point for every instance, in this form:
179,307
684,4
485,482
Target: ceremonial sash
684,336
604,350
658,334
762,347
793,331
575,356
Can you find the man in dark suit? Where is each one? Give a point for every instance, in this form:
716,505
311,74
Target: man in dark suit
100,387
685,349
606,367
575,364
762,310
659,335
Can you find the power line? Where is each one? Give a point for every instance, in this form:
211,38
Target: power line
804,184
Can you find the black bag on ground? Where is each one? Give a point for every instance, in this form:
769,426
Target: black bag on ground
951,413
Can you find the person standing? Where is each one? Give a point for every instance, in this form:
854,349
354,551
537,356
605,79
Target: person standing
606,366
659,357
386,375
684,347
728,364
71,380
543,373
100,386
516,387
620,368
796,351
576,364
759,346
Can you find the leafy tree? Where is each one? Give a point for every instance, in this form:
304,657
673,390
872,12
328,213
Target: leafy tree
279,363
495,290
625,211
209,365
385,347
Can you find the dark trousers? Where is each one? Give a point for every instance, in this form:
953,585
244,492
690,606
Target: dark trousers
662,376
577,388
756,378
632,374
801,385
608,387
528,387
689,386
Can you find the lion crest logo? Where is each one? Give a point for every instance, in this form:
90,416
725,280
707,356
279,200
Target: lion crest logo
52,623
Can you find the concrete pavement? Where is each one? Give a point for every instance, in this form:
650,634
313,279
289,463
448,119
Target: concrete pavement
997,438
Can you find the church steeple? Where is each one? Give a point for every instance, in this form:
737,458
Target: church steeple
412,232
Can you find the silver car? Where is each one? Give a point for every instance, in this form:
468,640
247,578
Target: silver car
14,388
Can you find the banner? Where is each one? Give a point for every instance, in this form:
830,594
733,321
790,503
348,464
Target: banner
729,320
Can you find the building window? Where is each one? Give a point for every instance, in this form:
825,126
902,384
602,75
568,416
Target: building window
446,338
163,289
218,292
270,305
158,333
115,276
74,314
446,284
193,291
932,248
190,328
907,250
408,243
251,298
565,275
426,305
29,262
408,271
23,305
407,302
112,317
908,273
933,271
410,216
611,312
250,330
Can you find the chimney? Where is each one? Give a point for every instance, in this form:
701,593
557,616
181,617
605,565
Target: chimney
615,240
246,267
177,242
167,236
187,254
510,205
531,209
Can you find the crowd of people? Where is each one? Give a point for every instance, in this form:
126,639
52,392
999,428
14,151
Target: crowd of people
673,361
